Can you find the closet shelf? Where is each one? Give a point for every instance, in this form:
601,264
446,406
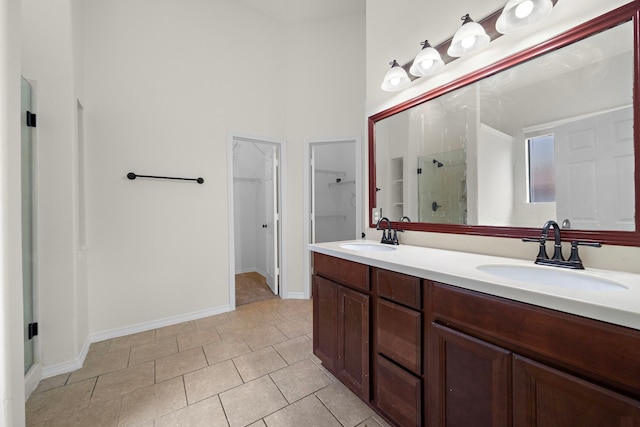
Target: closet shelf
331,184
330,172
344,217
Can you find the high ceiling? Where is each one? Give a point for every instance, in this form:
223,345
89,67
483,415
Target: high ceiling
296,11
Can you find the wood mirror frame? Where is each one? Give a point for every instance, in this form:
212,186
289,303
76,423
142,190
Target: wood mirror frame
629,12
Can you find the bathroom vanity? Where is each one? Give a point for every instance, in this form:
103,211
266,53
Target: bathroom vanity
442,338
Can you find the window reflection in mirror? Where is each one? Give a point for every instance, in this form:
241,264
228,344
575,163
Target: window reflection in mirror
465,155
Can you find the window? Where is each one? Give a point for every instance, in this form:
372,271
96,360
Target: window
542,169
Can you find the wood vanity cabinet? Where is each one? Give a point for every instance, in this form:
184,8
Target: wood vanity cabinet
426,353
341,310
496,362
398,347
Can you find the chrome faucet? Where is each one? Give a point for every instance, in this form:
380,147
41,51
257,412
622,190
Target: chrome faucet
558,260
386,234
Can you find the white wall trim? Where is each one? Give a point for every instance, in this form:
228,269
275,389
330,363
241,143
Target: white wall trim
31,379
231,137
297,295
66,367
307,199
72,365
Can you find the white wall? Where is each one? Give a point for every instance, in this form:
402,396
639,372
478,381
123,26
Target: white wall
394,31
11,335
325,99
163,88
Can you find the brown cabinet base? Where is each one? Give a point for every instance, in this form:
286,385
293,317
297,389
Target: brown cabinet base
463,358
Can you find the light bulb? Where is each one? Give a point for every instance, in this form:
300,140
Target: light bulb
395,81
467,42
426,64
524,9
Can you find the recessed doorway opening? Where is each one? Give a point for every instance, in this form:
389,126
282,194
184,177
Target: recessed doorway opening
255,205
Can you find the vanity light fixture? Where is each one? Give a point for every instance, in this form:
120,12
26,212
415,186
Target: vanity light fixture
520,14
396,78
427,61
470,37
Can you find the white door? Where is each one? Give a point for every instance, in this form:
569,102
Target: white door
595,172
272,217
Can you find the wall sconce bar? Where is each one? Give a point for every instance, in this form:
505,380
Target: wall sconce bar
489,25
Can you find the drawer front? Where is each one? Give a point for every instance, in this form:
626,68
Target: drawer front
398,287
398,334
398,394
340,270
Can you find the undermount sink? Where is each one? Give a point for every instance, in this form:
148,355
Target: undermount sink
552,277
367,247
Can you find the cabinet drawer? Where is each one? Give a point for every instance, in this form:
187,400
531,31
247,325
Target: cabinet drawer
340,270
398,394
398,334
398,287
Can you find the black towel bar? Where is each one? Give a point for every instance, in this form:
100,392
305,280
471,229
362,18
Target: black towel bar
132,175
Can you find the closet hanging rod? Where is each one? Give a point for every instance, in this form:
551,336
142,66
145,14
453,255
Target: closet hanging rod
132,175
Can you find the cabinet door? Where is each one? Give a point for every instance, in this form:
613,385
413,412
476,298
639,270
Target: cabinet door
353,340
543,396
469,381
325,321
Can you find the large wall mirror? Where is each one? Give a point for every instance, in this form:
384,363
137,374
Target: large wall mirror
546,134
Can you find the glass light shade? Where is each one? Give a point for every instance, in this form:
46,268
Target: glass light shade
469,38
427,61
395,79
520,14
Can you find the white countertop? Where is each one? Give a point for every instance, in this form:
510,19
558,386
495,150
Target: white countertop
621,307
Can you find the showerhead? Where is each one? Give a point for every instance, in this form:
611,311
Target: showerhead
435,162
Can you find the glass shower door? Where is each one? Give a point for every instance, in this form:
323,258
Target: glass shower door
27,224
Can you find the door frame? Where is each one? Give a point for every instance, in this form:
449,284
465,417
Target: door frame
307,197
282,209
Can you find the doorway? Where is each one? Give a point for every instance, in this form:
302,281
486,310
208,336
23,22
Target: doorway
333,193
28,222
255,220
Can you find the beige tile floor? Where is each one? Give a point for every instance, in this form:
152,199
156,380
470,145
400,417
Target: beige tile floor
251,367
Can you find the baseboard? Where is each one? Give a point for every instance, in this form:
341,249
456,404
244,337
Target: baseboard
66,367
252,270
63,368
296,295
161,323
31,380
